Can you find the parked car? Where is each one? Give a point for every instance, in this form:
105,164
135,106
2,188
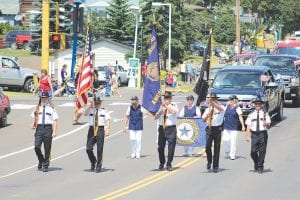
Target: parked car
4,108
198,49
283,65
14,76
122,74
10,37
248,82
22,42
290,46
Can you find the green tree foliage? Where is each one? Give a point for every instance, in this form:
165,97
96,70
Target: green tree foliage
120,23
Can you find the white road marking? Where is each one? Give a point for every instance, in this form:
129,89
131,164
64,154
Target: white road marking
59,157
21,106
70,104
119,104
56,138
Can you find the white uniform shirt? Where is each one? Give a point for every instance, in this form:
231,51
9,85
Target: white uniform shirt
218,116
171,118
251,120
50,114
103,116
198,113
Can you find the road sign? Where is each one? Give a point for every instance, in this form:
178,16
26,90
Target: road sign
133,71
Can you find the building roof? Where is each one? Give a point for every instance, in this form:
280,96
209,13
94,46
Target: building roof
9,7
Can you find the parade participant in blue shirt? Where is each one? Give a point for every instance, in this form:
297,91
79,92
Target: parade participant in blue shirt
232,120
134,123
190,110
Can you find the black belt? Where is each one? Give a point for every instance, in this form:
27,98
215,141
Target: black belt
168,126
257,132
98,126
44,125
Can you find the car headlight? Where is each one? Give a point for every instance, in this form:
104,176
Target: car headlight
294,81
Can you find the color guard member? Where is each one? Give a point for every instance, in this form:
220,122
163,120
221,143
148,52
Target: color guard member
167,131
214,116
45,124
99,121
257,123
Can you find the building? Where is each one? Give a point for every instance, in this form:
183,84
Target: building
106,51
25,8
9,11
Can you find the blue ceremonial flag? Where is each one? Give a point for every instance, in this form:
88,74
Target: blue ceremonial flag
152,93
191,132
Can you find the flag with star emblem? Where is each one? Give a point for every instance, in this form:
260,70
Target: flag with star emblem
191,132
152,92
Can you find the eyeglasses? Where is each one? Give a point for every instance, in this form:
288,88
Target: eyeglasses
258,104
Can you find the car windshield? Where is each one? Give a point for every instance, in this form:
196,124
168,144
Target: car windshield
289,50
237,79
277,64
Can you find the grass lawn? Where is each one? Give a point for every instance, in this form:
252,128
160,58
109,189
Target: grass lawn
18,94
14,52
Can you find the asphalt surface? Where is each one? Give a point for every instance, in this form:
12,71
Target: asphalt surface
125,178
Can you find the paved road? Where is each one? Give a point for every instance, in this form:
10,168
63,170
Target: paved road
126,178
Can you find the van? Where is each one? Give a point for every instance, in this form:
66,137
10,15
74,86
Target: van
10,37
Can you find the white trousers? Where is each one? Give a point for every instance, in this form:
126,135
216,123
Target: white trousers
135,142
188,150
229,142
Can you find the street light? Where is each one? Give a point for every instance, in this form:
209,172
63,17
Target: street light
156,4
135,10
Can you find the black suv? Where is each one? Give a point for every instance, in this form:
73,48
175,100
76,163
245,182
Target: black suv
283,67
248,82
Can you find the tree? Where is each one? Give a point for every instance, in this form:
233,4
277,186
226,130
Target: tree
120,22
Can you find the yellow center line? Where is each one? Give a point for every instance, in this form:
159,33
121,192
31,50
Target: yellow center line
152,179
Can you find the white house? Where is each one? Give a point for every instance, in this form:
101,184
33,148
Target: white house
106,52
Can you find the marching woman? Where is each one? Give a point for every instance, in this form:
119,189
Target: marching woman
134,122
232,119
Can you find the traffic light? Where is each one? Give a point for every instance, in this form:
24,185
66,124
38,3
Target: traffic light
65,22
78,17
53,17
35,27
55,41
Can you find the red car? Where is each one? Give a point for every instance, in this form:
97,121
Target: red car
4,109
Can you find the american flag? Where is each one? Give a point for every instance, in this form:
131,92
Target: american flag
85,76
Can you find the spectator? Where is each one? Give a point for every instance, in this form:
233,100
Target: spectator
183,72
190,70
63,73
114,84
169,79
108,76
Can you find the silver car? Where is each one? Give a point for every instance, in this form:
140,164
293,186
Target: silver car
14,76
122,74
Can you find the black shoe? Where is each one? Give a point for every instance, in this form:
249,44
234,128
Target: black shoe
260,170
161,167
215,170
98,168
169,168
45,169
208,166
255,167
40,165
93,165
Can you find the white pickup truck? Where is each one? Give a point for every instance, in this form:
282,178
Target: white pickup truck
14,76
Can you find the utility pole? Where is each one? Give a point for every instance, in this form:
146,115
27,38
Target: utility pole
238,25
45,35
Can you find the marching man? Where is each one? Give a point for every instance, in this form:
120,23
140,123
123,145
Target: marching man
45,125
